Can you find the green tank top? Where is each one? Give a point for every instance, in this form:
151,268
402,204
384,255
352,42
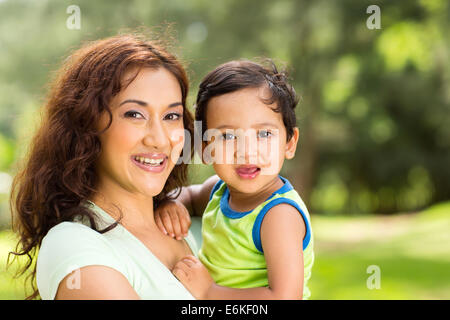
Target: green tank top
231,246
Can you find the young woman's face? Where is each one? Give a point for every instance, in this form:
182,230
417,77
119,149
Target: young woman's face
146,137
249,144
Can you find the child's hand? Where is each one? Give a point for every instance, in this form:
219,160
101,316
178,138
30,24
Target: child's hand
194,276
173,219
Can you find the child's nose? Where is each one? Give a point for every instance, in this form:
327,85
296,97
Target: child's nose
248,148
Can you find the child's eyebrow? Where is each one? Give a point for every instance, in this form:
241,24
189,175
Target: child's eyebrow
224,126
256,125
265,124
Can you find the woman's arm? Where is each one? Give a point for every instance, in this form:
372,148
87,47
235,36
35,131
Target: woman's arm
282,233
95,282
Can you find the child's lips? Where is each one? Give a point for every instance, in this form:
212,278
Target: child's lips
248,171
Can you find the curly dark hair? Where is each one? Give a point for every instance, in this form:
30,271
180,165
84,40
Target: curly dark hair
59,174
240,74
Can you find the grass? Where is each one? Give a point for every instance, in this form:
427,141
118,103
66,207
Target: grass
10,287
412,252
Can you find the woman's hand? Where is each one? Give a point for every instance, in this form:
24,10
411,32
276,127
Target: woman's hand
173,219
194,276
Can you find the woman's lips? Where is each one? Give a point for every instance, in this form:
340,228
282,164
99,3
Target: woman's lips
150,167
248,172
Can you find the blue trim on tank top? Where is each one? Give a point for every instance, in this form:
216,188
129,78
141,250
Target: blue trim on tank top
256,231
232,214
215,188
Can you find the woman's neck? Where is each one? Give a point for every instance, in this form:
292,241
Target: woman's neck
136,210
241,201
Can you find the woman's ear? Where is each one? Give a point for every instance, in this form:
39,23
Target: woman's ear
291,146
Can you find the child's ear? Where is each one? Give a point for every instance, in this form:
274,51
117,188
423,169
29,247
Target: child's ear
206,159
202,152
291,146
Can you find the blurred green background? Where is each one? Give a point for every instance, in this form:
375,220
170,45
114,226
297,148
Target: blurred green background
374,152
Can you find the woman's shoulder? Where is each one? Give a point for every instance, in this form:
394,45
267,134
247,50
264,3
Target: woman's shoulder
72,231
69,239
74,239
70,226
69,246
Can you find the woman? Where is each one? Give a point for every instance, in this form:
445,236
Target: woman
103,159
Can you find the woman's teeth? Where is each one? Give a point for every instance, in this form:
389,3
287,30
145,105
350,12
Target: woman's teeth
148,161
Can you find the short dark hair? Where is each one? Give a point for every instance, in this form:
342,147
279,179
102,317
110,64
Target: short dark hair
240,74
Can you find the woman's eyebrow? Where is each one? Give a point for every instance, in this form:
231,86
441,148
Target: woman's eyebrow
139,102
145,104
175,104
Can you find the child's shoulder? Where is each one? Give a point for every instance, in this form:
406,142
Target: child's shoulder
288,195
214,183
285,206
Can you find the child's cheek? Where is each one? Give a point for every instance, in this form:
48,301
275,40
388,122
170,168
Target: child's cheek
269,157
223,152
264,153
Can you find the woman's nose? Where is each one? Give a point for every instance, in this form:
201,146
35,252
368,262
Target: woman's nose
156,136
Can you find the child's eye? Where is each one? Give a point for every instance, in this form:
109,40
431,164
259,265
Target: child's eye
264,134
173,116
227,136
133,114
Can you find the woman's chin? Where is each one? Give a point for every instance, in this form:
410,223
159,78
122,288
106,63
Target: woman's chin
150,191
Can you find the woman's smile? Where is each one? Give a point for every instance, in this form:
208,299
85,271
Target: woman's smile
150,162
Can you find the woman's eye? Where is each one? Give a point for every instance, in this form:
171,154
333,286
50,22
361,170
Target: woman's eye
134,114
227,136
173,116
264,134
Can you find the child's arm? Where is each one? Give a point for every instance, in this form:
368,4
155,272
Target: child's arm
195,197
282,233
173,216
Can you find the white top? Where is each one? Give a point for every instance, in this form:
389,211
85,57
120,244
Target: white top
69,246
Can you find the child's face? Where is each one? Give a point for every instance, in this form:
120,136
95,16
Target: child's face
249,144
